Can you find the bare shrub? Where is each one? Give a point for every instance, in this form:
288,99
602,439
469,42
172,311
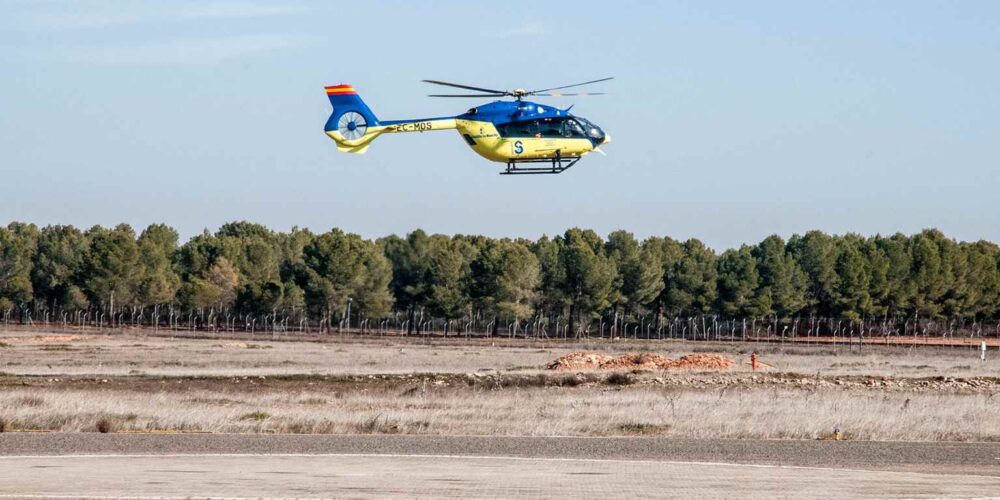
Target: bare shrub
106,425
255,415
620,378
413,391
30,401
379,424
642,428
312,401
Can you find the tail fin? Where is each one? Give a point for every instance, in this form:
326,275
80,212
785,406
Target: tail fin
351,121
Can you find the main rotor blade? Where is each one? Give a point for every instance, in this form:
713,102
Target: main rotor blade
572,94
466,95
466,87
574,85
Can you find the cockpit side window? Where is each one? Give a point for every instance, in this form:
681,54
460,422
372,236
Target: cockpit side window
518,129
544,127
572,129
550,127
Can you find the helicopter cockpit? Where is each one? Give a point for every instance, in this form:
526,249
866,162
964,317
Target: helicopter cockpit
569,127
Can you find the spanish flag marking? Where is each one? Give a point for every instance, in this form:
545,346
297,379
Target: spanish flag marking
340,90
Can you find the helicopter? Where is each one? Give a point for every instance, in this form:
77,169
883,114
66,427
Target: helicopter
530,138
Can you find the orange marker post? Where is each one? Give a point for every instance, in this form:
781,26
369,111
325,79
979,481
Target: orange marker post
753,361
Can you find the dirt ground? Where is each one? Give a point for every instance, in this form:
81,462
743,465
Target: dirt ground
81,382
137,353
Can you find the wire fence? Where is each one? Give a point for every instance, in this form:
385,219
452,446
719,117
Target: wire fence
807,330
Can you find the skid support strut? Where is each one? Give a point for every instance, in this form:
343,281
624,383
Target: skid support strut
556,165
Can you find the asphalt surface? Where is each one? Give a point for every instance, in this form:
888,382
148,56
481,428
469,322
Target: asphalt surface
147,466
428,476
964,458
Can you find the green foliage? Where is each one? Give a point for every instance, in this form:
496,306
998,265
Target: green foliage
690,282
816,254
410,266
111,264
639,277
18,243
56,267
851,295
737,284
504,279
158,282
337,266
782,289
588,275
551,296
245,268
214,287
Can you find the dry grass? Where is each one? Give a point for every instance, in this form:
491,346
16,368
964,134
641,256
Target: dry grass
594,404
726,413
129,354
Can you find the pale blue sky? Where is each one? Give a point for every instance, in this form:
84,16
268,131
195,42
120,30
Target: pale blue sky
731,120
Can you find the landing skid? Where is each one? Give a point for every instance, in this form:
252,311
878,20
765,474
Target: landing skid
556,165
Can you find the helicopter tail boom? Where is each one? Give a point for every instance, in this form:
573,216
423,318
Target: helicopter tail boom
353,125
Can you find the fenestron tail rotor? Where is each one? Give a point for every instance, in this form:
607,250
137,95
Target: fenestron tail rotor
517,93
352,125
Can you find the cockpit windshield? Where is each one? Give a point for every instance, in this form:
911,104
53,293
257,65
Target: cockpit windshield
593,131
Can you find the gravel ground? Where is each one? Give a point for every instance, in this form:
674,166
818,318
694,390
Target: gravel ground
953,458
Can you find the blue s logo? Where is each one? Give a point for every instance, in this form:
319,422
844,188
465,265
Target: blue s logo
518,147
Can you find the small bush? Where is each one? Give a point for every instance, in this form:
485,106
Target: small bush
30,401
640,428
378,425
255,415
412,391
312,401
620,378
579,379
106,425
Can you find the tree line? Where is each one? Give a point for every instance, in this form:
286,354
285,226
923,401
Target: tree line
578,277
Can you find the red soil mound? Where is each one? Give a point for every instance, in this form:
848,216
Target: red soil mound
641,361
580,361
702,362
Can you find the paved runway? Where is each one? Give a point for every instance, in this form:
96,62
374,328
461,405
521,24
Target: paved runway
423,476
231,466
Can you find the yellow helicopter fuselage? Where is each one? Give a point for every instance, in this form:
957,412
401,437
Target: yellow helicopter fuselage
501,131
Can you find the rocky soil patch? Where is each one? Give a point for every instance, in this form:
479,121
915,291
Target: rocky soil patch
639,361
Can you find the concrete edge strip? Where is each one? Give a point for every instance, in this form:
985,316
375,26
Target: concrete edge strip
93,497
480,457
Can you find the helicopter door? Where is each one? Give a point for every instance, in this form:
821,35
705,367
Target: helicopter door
550,130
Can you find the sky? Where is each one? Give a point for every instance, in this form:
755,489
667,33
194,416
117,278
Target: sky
730,121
